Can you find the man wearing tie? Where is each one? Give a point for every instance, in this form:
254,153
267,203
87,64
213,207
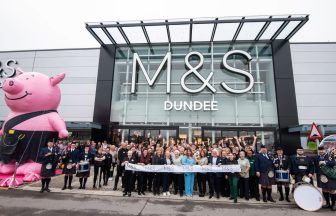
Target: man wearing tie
281,163
48,158
214,178
265,171
70,160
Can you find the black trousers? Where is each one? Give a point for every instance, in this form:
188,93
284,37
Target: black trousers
165,182
97,170
214,183
106,173
150,178
112,170
157,183
225,187
142,181
201,181
128,179
178,181
119,174
244,189
254,187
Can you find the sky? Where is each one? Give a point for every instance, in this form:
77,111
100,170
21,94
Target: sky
56,24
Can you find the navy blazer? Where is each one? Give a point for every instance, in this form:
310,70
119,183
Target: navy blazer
218,161
262,164
48,159
73,156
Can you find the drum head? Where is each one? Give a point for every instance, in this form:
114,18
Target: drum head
308,197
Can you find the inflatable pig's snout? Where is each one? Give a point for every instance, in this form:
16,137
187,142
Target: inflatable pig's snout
12,86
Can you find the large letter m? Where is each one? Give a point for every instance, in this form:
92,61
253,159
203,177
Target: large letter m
137,61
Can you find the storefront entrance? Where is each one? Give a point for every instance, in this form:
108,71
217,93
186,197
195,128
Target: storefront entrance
265,135
138,133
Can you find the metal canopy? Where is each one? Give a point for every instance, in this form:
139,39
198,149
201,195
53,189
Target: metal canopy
225,29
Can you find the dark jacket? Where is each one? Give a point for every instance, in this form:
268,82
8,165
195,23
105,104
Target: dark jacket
158,160
263,164
282,164
329,162
53,158
296,162
219,161
72,156
108,161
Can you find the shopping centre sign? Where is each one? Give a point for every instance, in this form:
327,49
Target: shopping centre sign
193,70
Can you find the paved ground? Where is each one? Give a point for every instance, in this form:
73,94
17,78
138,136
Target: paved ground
27,200
22,202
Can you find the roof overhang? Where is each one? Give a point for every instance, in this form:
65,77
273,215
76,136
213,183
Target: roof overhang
225,29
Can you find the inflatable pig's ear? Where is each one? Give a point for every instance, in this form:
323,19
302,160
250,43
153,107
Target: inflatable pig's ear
57,79
18,71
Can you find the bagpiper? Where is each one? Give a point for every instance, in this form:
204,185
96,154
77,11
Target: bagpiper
324,163
49,159
70,160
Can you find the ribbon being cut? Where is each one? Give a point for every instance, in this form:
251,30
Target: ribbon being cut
184,168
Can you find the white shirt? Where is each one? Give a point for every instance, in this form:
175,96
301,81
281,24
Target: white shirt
214,160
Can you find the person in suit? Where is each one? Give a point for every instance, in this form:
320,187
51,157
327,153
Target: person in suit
301,166
128,174
70,160
265,171
87,157
49,158
214,178
327,184
254,180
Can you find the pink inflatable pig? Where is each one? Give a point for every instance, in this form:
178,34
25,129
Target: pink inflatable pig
33,120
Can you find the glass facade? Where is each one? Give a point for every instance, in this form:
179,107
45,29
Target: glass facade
256,108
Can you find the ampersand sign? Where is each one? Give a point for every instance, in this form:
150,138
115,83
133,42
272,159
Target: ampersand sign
193,70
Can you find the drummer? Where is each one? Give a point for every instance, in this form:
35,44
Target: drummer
265,171
70,160
327,184
49,159
85,158
302,167
281,163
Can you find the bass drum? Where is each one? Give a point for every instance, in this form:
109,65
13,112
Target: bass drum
307,196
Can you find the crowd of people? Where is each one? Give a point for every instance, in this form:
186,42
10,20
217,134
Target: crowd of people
258,168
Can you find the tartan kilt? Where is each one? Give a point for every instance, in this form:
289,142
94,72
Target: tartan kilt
264,180
67,171
329,185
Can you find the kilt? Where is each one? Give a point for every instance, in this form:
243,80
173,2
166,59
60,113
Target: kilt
47,173
329,185
264,180
67,171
